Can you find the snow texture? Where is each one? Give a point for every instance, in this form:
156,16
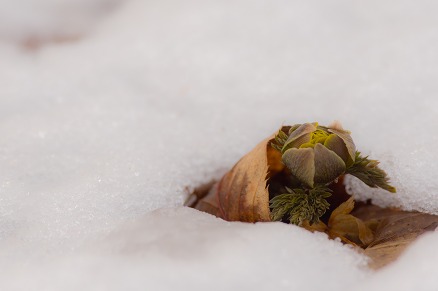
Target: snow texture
111,110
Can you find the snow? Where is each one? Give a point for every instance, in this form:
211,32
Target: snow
414,271
112,110
144,255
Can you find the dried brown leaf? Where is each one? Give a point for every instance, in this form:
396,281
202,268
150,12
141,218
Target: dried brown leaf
242,194
319,226
348,227
395,231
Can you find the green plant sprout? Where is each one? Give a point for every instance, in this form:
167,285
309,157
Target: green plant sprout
316,156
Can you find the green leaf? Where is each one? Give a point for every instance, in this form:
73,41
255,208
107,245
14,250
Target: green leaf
328,165
369,172
293,128
300,205
348,140
299,136
279,140
336,144
301,163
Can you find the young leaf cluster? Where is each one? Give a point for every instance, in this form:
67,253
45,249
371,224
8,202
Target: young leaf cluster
281,137
279,140
314,157
299,205
369,172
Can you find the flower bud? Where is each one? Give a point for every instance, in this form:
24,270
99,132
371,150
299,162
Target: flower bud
316,154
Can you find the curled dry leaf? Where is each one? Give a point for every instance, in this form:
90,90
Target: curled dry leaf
349,228
394,231
242,194
345,226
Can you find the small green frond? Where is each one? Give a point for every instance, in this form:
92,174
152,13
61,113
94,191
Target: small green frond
368,171
279,140
300,205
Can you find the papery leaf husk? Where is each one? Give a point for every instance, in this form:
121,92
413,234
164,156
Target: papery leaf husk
346,226
394,231
242,193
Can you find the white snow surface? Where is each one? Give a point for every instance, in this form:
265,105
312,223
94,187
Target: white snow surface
112,111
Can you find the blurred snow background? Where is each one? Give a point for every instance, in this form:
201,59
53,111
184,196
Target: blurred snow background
110,110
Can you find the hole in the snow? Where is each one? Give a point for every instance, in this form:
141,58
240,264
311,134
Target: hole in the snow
266,186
